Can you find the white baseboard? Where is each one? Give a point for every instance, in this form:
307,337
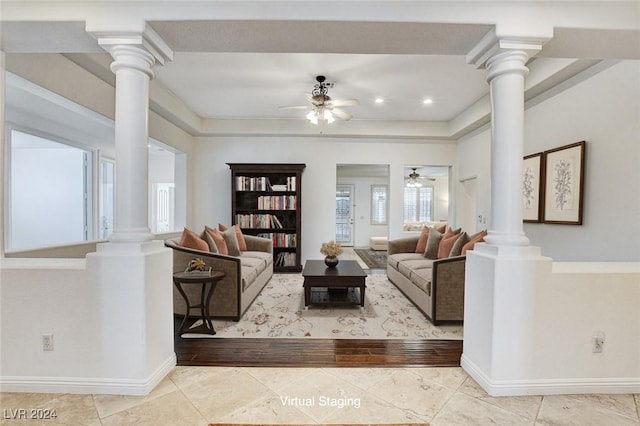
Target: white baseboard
557,386
81,385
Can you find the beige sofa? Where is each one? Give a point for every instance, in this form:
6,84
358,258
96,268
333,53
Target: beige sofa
246,276
436,287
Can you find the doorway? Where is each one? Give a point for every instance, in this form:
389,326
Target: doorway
361,198
468,208
344,214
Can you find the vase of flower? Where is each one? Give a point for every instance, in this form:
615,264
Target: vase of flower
331,251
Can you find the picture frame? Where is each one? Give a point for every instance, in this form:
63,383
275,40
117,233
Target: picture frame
564,184
533,187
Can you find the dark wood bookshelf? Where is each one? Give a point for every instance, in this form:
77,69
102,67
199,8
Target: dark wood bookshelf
266,199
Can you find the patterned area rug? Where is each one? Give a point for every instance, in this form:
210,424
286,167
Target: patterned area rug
375,259
332,424
279,312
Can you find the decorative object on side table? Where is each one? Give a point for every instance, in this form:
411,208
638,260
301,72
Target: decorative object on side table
198,267
331,250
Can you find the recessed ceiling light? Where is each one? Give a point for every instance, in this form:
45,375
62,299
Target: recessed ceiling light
428,101
379,100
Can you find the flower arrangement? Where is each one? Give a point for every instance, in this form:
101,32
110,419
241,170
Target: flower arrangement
331,249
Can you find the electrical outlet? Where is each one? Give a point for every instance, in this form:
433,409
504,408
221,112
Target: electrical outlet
597,342
47,342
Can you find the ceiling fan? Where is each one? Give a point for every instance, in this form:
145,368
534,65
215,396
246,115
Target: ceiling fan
413,180
322,106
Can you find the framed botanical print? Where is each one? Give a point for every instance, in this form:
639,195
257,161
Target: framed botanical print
564,184
532,187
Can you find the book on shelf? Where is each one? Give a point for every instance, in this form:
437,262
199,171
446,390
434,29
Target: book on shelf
256,221
285,259
277,202
262,183
281,239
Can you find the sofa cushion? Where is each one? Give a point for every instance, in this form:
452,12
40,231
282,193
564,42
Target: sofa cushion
422,279
218,239
258,264
447,242
231,239
394,259
477,238
456,249
190,239
267,257
433,242
422,240
242,243
249,275
407,267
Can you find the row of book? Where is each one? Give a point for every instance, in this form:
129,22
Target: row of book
280,239
277,202
262,183
255,221
285,259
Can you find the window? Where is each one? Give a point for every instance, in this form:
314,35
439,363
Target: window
379,204
50,193
418,204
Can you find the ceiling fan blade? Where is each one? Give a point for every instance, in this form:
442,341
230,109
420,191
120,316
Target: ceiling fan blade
293,107
344,102
341,114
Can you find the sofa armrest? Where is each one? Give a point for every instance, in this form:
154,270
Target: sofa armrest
258,243
402,245
448,289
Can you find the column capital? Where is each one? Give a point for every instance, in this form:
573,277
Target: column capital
492,46
148,41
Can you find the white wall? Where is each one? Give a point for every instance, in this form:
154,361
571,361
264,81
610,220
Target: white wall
603,110
212,177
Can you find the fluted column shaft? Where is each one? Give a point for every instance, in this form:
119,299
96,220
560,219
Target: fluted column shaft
507,72
132,67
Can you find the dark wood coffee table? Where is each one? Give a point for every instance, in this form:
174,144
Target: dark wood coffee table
348,274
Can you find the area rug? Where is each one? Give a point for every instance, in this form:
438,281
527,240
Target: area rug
375,259
279,312
317,424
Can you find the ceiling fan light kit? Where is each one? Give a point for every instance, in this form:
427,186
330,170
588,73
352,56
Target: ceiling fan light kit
323,108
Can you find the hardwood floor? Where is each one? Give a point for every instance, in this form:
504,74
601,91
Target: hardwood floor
317,352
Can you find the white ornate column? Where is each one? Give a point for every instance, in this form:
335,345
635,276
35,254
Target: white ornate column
134,56
134,290
507,72
502,275
132,67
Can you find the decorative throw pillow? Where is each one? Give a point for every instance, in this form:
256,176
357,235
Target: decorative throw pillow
456,249
231,239
433,241
213,247
446,243
422,240
218,239
242,243
477,238
442,228
190,239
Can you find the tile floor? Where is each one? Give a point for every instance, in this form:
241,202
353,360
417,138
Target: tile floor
440,396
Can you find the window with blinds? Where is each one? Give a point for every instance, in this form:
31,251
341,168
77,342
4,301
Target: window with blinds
418,204
379,204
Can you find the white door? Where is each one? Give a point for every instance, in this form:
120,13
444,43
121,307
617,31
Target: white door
344,214
468,211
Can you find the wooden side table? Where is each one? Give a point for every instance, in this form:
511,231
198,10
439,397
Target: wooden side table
208,284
